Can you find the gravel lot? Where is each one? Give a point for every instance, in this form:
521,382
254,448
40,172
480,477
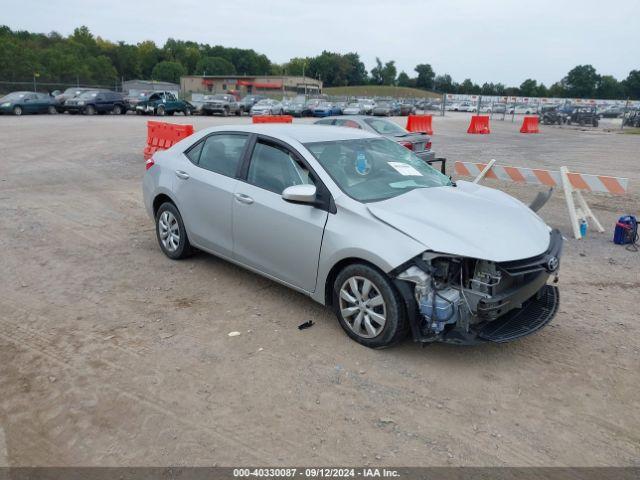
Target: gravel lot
111,354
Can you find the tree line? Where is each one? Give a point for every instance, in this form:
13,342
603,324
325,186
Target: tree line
83,58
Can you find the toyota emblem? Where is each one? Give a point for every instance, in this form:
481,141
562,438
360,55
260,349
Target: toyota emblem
552,264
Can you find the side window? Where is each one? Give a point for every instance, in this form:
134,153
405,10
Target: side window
348,123
222,153
274,168
325,122
193,154
171,97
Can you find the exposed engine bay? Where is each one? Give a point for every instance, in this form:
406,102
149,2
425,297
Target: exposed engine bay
456,298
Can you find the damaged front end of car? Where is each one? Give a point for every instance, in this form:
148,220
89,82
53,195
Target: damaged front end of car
462,300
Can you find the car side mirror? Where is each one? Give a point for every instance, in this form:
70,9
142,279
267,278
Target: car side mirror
305,194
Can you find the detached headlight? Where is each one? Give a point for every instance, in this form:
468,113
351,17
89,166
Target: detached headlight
81,102
6,104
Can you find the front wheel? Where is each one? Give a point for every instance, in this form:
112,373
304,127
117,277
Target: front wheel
52,110
161,111
90,110
187,112
170,231
368,306
17,110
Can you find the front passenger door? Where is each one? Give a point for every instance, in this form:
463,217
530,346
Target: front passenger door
273,236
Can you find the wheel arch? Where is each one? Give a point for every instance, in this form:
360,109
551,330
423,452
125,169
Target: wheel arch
337,268
159,199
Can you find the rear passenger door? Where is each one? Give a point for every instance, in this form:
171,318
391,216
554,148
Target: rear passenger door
204,186
275,237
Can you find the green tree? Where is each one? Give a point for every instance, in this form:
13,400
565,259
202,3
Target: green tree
557,90
529,88
168,72
608,87
581,81
214,66
403,80
444,84
389,73
426,76
632,84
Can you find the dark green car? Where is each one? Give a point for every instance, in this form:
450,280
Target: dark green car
17,103
163,103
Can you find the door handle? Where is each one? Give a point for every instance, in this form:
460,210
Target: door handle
242,198
181,174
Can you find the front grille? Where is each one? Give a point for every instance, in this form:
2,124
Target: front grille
533,315
537,263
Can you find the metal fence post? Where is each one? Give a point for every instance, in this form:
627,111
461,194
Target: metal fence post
624,113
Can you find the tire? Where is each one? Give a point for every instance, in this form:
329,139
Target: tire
239,112
186,112
160,111
117,110
392,310
225,112
568,121
595,123
90,110
17,110
52,110
168,225
581,122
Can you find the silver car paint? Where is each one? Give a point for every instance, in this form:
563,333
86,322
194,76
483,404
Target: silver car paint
357,230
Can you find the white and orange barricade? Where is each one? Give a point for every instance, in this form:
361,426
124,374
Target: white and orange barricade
572,183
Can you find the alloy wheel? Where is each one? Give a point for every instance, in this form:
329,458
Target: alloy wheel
169,231
362,307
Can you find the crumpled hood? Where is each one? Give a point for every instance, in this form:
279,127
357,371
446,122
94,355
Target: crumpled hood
468,220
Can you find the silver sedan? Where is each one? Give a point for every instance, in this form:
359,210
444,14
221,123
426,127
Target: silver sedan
362,225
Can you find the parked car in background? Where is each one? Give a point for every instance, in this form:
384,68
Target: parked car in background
551,115
361,225
326,109
221,104
296,109
19,103
368,106
133,99
498,108
452,106
72,92
354,108
96,101
249,101
163,103
583,116
406,109
611,111
386,109
467,107
419,143
267,106
522,109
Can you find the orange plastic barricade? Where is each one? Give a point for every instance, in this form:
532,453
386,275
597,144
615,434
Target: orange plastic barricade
420,123
479,124
272,119
530,125
161,135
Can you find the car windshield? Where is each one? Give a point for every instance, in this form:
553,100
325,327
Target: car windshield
220,96
354,105
385,127
372,169
13,96
264,102
384,104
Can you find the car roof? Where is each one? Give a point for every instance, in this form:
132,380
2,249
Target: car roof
301,133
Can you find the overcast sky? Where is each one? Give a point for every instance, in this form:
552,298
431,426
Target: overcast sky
485,40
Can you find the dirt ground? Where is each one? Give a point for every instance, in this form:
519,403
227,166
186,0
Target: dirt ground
112,354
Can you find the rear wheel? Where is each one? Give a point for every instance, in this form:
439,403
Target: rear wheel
17,110
239,112
170,231
90,110
186,112
161,111
368,306
52,110
117,110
